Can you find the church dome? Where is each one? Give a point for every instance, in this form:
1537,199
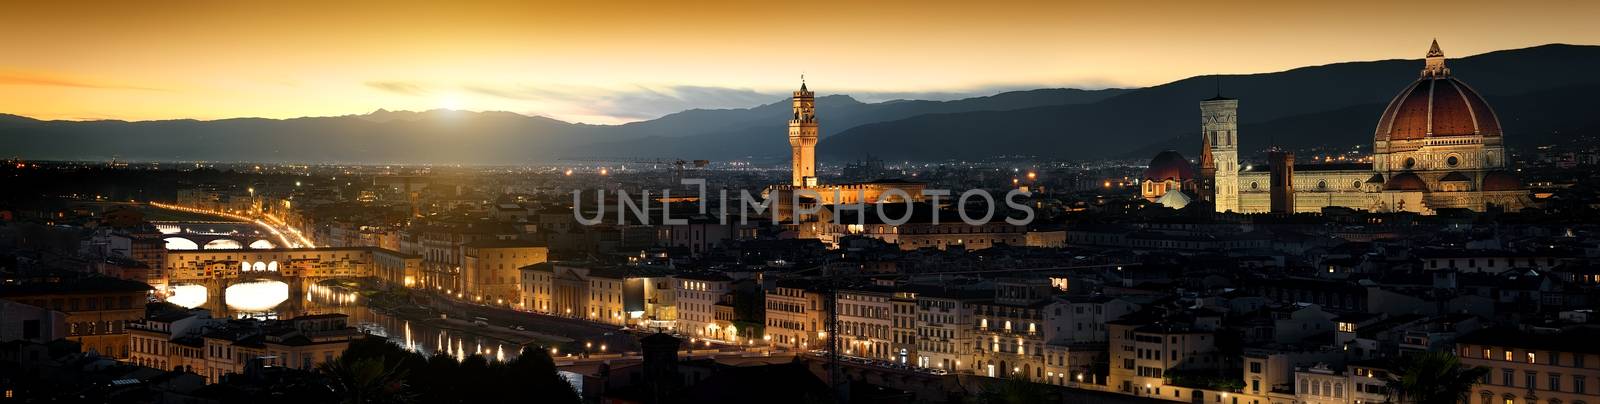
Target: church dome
1169,165
1436,105
1501,181
1405,182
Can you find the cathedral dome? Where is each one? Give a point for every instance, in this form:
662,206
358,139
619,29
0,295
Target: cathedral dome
1405,182
1436,105
1169,165
1501,181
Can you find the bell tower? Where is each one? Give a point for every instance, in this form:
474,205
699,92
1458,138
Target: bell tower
803,137
1219,131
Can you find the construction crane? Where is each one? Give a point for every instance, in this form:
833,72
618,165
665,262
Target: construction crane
678,164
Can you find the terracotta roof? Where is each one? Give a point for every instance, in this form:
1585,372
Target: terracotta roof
1169,165
1455,176
1405,182
1500,181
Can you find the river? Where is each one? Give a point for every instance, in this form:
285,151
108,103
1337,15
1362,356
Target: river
269,300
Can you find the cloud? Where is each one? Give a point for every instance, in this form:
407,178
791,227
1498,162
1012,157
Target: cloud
634,102
627,103
36,79
399,87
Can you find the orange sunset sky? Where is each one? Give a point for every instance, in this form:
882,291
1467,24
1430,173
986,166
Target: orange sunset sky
619,61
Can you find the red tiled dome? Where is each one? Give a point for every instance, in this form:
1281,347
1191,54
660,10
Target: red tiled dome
1500,181
1405,182
1436,105
1169,165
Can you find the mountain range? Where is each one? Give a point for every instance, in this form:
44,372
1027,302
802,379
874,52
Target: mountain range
1537,92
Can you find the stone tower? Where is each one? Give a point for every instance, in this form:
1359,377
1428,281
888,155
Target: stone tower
1219,128
803,137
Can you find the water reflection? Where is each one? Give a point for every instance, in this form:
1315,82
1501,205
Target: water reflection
256,297
189,296
271,299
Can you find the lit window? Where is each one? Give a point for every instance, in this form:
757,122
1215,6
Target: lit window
1532,358
1508,354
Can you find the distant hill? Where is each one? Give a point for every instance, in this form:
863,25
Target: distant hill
1333,103
444,136
1536,91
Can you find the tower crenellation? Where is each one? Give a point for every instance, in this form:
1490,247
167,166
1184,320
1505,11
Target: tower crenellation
803,138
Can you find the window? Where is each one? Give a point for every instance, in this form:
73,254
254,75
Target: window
1411,162
1532,358
1555,382
1506,377
1532,379
1580,384
1508,354
1452,161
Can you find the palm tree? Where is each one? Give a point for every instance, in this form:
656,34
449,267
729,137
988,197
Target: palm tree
367,380
1432,378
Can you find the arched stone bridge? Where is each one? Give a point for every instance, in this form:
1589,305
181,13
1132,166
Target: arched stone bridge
297,267
217,242
192,235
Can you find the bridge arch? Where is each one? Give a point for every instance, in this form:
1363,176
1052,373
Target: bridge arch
180,243
223,244
262,244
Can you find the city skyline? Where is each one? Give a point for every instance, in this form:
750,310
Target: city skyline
1230,202
630,62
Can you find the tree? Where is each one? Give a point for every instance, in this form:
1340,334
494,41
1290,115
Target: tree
1432,378
1014,391
375,370
368,380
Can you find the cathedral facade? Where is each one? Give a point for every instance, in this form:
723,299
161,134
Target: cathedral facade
1438,145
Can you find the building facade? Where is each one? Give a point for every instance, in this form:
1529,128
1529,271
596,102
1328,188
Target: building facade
97,309
795,316
1533,368
491,268
866,325
214,348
